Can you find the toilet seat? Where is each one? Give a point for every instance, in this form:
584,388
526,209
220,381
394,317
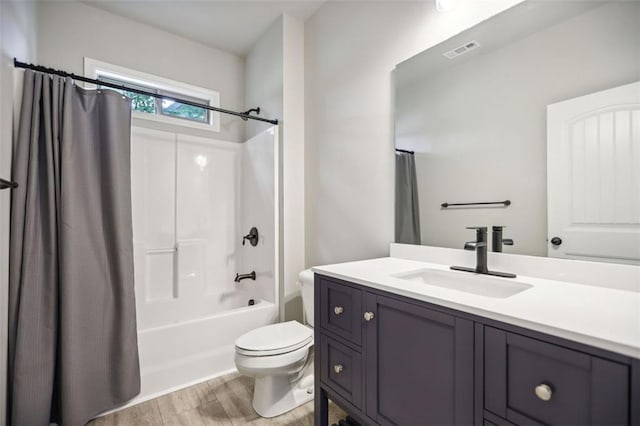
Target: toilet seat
274,339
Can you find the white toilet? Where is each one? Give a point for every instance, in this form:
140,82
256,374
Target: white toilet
280,357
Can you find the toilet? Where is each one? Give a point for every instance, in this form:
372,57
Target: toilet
280,357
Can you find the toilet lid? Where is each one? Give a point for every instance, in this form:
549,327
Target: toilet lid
275,339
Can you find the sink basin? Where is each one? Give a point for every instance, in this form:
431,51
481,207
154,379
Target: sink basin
482,285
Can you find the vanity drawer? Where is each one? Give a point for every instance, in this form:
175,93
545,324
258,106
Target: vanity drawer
341,310
532,382
341,369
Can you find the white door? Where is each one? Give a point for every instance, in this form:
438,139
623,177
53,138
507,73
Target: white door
593,172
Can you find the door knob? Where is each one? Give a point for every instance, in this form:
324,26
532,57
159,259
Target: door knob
338,368
368,316
556,241
338,310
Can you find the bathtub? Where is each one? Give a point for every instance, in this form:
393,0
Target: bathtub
184,353
193,199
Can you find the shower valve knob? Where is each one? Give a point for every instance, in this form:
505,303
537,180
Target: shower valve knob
252,236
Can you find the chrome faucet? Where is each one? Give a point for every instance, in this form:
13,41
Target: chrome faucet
480,247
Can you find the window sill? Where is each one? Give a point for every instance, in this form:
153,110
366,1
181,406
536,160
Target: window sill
175,121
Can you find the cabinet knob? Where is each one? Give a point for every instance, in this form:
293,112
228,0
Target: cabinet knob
368,316
544,392
338,310
338,368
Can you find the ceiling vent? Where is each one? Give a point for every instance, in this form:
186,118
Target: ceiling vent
461,50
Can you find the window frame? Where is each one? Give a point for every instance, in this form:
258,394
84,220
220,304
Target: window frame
94,69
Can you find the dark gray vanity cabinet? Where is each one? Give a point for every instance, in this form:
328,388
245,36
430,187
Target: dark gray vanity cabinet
391,360
402,342
528,381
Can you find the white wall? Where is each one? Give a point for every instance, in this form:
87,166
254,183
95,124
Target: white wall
70,31
264,77
293,145
480,127
275,83
351,49
257,208
17,39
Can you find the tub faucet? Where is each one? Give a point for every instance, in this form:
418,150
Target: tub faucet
480,247
240,277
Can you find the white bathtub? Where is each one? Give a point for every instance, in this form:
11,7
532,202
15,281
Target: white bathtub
181,354
193,199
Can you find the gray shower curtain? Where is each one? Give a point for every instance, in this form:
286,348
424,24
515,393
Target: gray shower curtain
73,348
407,208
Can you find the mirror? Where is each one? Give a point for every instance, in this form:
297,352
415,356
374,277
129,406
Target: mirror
540,106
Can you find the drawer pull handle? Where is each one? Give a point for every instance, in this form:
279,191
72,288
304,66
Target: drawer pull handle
338,368
368,316
544,392
338,310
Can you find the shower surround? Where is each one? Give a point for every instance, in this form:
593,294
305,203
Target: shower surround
193,201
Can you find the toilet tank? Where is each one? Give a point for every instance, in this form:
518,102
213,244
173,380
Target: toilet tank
306,284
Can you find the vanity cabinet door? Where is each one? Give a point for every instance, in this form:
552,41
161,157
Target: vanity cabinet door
418,364
528,381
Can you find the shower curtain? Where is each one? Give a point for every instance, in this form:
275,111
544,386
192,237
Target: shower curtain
407,209
72,329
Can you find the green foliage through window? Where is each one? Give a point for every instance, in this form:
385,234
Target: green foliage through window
176,109
153,105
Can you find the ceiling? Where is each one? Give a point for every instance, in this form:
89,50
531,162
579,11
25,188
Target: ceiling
233,26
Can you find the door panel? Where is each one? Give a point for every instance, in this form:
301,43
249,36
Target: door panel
593,149
423,363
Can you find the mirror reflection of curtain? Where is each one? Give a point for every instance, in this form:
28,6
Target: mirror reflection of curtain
73,349
407,208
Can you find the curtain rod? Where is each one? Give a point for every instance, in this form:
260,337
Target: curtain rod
46,70
405,151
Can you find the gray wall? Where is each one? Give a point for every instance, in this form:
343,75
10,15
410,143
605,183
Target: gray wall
69,31
351,49
479,129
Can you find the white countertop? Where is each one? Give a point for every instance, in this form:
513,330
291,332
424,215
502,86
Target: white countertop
602,317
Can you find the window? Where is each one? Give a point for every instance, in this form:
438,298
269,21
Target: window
163,109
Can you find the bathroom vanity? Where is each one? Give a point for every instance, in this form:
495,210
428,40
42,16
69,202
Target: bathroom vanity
398,344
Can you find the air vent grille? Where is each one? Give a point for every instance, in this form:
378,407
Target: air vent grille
462,49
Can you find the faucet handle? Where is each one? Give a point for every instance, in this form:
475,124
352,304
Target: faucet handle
498,227
473,245
479,228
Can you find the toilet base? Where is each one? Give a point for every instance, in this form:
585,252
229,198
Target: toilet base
275,395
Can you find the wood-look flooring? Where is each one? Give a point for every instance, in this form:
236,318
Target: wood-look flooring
224,400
